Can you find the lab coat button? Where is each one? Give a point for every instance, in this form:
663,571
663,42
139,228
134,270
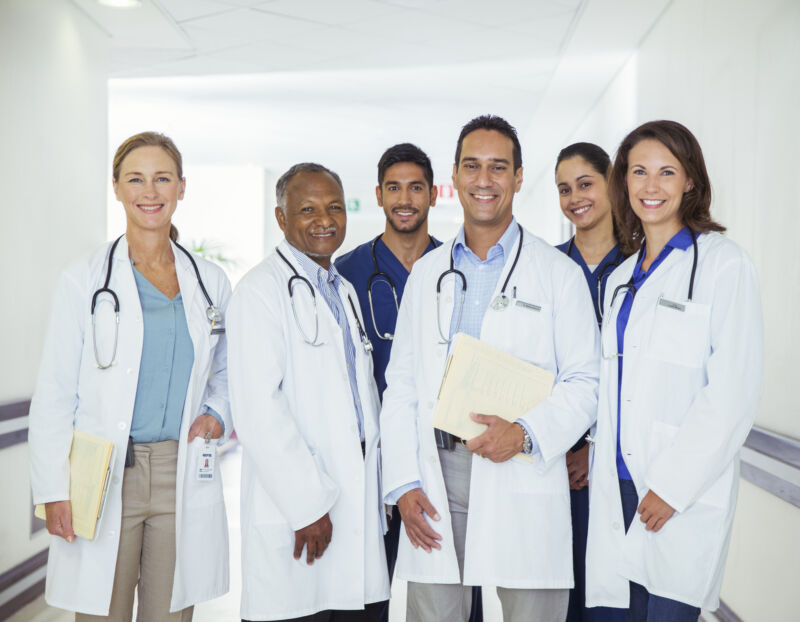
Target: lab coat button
129,371
115,480
430,404
432,460
121,425
615,526
112,533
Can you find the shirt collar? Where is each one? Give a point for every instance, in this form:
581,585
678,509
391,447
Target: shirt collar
503,246
681,240
312,269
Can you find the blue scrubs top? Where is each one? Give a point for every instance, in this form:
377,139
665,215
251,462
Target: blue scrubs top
595,280
681,240
357,266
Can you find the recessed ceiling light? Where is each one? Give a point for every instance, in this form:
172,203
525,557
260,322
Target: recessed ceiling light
121,4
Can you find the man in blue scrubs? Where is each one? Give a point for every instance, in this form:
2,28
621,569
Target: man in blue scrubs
406,193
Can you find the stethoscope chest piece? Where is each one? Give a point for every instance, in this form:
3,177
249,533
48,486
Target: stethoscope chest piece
214,315
501,302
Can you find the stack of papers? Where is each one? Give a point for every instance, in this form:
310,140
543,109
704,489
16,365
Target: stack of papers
89,472
480,378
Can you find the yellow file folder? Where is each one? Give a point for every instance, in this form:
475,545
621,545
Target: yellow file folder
89,472
480,378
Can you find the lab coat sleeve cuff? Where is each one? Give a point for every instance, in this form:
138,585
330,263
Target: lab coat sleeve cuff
216,416
534,443
393,497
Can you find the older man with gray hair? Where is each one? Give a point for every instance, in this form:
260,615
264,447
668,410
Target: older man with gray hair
305,407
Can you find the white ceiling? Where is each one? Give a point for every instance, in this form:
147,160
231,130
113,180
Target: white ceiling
273,82
202,37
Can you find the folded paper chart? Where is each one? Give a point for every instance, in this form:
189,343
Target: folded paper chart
482,379
89,471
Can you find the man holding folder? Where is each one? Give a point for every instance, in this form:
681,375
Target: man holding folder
473,515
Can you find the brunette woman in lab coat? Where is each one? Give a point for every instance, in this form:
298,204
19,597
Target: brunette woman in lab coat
157,390
680,383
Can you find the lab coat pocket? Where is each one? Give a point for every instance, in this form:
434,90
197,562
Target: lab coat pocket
680,333
201,493
532,334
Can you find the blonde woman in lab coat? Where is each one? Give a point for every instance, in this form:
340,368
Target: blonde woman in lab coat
680,383
158,392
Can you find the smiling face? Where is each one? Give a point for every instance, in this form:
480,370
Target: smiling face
485,179
314,220
149,188
656,183
583,193
405,197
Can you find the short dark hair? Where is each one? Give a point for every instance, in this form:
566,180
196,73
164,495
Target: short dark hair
596,156
303,167
498,124
405,152
694,210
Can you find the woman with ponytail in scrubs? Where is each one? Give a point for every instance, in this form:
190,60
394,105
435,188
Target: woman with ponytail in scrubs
582,171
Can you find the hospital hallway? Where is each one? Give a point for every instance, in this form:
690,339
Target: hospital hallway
226,608
247,89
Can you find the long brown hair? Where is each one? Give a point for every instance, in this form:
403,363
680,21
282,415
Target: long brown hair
694,210
149,139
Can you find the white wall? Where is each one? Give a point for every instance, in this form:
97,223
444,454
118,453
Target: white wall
52,172
728,70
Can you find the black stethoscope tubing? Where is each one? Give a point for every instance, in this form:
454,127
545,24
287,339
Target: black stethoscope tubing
460,275
618,259
630,286
377,274
212,312
362,333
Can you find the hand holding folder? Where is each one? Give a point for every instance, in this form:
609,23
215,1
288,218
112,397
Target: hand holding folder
90,464
480,378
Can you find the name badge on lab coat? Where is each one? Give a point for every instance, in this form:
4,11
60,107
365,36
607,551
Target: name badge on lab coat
205,462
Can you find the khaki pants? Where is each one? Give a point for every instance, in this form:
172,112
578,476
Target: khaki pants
435,602
146,556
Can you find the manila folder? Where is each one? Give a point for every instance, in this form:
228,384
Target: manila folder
89,471
480,378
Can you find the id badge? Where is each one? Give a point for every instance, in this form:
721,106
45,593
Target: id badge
205,464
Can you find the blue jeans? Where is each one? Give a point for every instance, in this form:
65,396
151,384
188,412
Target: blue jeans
646,607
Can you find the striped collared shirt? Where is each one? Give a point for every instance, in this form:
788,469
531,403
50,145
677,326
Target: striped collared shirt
327,282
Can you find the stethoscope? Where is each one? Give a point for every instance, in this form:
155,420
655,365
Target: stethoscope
213,314
630,286
293,281
618,259
378,274
500,302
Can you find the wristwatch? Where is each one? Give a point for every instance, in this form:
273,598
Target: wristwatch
527,444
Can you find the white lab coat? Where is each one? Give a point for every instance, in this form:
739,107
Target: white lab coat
519,532
295,418
690,389
73,393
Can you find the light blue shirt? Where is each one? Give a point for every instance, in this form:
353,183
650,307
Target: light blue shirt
166,365
328,284
482,277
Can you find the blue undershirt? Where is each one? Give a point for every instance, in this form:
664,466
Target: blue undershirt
327,282
681,240
595,277
165,368
357,266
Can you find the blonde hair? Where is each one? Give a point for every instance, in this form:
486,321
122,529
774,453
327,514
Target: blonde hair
149,139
